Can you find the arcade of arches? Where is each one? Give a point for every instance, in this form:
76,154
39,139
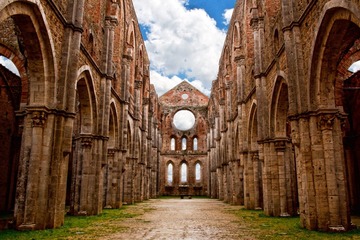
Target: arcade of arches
82,128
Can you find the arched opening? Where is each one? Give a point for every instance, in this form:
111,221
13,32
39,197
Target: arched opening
112,128
10,133
172,144
131,53
335,95
253,166
183,143
236,36
80,161
111,172
351,138
170,173
280,110
197,172
183,173
27,44
280,164
195,144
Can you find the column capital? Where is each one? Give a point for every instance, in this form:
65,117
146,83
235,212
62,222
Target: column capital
326,121
38,118
86,141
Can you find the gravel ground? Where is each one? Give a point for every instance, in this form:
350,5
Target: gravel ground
184,219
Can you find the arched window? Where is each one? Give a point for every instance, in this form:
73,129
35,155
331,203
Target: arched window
170,169
172,144
195,144
183,143
183,172
197,172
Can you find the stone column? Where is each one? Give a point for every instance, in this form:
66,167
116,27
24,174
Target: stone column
130,178
113,180
33,173
323,196
249,195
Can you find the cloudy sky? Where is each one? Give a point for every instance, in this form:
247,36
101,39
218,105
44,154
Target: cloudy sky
184,39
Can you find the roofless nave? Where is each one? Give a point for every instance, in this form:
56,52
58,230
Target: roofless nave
83,127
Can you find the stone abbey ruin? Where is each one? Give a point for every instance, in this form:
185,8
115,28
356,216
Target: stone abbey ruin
82,128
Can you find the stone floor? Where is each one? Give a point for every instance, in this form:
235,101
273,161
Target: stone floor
185,219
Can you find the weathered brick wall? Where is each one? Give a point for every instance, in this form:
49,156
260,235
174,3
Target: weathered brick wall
196,102
290,52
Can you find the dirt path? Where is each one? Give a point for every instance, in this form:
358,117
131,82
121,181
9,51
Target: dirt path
183,219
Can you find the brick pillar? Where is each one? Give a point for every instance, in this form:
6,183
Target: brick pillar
129,184
279,179
321,171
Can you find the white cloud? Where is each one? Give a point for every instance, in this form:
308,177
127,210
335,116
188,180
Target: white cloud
9,65
354,67
227,15
163,83
180,41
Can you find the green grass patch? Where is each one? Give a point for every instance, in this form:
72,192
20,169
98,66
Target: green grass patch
79,227
272,228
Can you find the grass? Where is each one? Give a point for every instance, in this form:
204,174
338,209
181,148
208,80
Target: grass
265,227
79,227
256,223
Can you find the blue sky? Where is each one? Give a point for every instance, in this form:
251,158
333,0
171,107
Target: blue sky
215,9
184,40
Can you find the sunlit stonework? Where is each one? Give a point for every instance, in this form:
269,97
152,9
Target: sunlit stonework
82,128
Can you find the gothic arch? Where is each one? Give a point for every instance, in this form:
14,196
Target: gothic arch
86,103
113,127
339,20
30,18
19,62
170,179
337,31
252,128
279,109
131,53
236,36
184,172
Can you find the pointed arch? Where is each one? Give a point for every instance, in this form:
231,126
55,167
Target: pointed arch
113,126
338,20
195,143
236,36
279,108
170,172
29,18
184,143
184,172
198,171
252,127
86,103
173,143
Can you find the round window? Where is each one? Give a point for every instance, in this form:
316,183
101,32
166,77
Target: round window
184,120
184,96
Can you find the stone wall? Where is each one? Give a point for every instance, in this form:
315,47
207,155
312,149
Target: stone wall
279,138
83,129
183,97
